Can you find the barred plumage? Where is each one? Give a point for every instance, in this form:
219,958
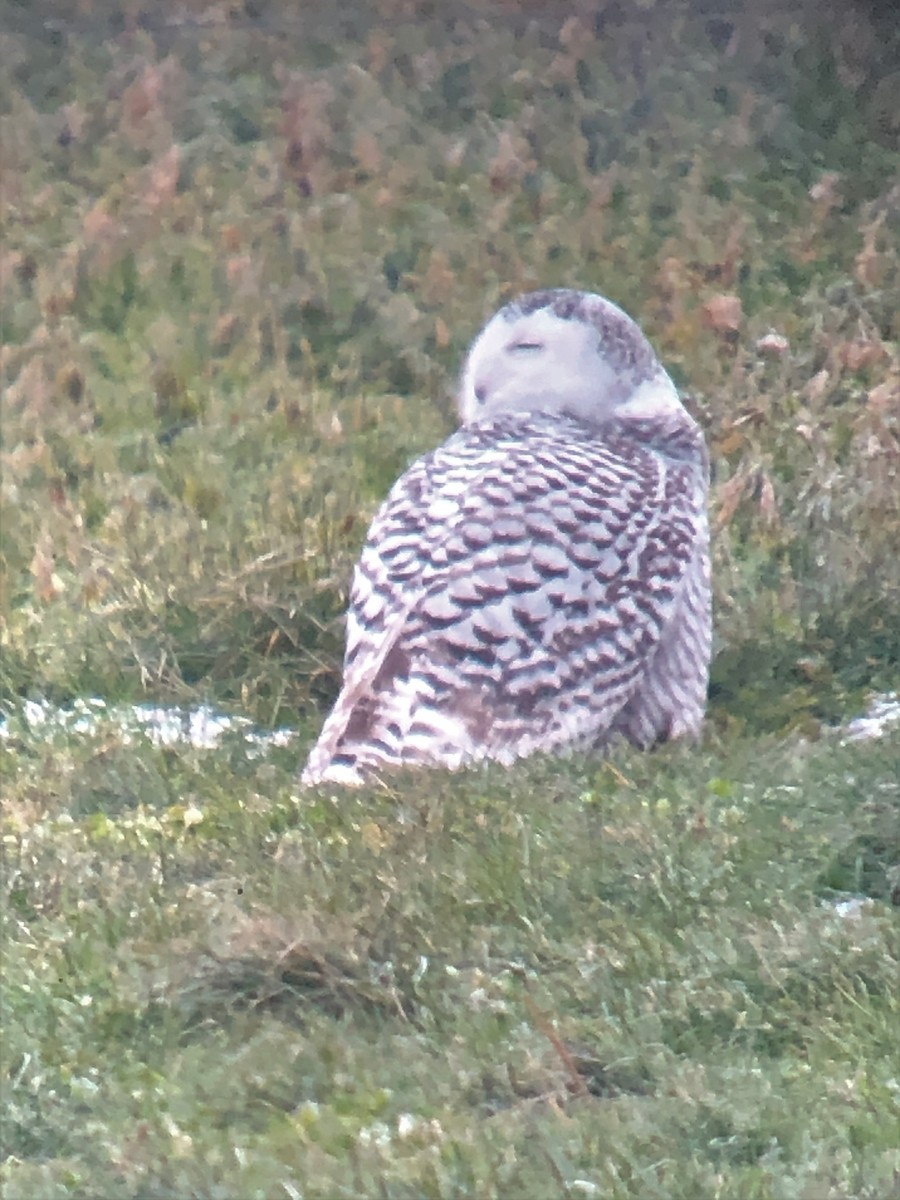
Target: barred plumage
541,580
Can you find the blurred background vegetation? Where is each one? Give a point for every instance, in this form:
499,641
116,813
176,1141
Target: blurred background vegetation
246,243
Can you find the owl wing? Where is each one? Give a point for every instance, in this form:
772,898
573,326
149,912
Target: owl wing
513,589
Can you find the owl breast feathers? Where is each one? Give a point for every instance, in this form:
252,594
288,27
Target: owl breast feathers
540,582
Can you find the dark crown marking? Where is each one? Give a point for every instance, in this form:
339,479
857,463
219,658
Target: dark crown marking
622,342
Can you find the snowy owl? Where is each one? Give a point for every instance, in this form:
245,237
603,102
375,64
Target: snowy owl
540,582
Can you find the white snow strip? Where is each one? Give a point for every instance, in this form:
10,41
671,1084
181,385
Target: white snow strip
882,714
202,728
852,906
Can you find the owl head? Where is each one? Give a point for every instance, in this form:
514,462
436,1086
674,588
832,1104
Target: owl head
564,351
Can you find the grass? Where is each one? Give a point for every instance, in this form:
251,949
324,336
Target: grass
499,984
244,249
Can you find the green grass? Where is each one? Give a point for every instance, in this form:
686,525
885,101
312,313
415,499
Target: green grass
493,984
244,248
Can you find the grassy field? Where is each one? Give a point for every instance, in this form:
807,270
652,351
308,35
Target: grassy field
244,247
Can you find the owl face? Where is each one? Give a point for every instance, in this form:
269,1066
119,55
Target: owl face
563,351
